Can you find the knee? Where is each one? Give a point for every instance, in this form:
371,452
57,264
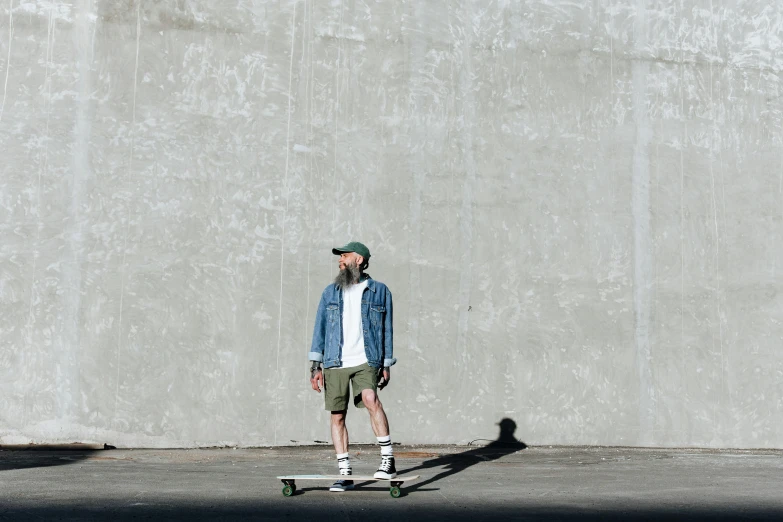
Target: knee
338,418
370,400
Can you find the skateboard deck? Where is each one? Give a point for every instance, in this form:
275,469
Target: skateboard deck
289,481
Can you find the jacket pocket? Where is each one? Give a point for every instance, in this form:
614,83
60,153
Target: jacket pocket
376,314
332,313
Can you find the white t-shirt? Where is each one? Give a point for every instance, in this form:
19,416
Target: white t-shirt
353,336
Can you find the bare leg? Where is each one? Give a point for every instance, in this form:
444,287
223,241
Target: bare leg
378,420
339,432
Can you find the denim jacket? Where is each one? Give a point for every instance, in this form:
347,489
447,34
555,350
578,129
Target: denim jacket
376,322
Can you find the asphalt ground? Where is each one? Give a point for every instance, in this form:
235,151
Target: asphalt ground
458,483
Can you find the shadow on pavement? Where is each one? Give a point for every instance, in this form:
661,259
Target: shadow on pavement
43,456
505,444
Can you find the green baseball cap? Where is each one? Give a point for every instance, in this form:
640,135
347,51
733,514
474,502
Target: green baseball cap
353,246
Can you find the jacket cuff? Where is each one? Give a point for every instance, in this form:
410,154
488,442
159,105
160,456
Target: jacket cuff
389,362
315,356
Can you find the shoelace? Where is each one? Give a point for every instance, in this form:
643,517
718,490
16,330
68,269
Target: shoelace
386,463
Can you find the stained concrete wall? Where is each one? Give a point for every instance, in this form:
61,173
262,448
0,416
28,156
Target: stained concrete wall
577,206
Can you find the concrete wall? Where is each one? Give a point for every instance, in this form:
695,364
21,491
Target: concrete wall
577,206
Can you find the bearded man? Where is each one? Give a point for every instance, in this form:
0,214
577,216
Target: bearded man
353,341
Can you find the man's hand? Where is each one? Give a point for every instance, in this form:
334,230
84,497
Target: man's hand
385,376
317,380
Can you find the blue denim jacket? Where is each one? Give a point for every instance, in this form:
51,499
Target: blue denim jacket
376,321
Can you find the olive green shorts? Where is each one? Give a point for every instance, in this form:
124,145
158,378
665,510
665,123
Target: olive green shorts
338,383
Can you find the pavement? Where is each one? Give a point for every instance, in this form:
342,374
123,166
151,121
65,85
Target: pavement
458,483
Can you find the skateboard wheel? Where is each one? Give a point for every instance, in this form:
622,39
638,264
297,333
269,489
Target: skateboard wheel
395,492
288,490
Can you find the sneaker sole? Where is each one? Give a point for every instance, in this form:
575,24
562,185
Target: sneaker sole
340,490
385,476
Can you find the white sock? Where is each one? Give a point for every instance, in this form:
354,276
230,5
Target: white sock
386,446
344,463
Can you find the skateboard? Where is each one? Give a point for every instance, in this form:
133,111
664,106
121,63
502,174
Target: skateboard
289,481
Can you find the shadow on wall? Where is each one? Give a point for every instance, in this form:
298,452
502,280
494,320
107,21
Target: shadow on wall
44,456
505,444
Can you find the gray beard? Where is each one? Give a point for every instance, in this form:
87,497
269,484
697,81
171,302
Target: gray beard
350,275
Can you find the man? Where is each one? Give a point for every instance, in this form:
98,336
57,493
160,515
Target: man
353,340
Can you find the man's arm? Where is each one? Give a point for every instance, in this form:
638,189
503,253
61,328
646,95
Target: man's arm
388,333
319,334
388,342
316,355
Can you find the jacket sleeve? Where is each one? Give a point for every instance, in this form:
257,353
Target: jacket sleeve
388,333
319,333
